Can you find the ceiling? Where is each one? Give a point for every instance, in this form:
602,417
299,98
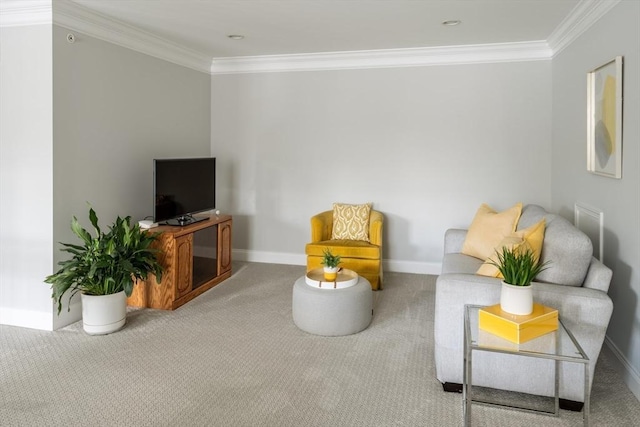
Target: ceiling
282,27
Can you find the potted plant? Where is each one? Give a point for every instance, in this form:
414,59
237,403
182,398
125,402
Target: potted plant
330,263
519,266
104,269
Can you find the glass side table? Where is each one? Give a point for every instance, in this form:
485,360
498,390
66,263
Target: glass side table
560,346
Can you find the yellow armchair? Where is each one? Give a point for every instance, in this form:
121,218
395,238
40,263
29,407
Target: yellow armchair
365,258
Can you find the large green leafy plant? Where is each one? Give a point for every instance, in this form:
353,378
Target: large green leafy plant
106,263
518,265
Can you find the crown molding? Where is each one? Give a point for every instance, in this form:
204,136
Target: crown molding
387,58
81,19
78,18
580,19
18,13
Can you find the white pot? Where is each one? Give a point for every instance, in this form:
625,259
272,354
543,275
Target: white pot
104,314
516,299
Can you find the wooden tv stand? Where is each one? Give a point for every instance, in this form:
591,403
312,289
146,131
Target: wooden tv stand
185,275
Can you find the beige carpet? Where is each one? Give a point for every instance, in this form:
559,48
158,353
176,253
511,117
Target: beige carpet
233,357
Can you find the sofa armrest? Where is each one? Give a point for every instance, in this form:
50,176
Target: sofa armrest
453,240
321,226
598,276
375,228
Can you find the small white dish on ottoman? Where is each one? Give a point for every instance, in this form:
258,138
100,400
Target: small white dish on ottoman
332,312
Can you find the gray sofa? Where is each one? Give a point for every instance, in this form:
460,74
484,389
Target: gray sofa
576,284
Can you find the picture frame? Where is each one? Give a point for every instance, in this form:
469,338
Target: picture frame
604,119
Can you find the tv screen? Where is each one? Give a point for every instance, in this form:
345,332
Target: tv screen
183,187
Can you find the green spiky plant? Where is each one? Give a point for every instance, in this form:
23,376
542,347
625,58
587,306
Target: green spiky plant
518,265
330,260
106,263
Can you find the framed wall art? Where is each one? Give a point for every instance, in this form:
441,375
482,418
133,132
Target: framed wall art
604,119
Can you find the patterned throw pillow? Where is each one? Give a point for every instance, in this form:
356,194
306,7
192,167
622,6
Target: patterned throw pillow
351,222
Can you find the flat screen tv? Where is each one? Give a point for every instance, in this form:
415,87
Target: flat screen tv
183,187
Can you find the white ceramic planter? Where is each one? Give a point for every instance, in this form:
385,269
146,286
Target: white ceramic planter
516,299
104,314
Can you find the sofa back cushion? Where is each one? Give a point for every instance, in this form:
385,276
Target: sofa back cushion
568,249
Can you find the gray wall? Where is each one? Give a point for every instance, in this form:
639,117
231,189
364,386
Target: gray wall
115,110
26,170
426,145
617,33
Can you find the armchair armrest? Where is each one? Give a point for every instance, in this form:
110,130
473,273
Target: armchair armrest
321,226
376,220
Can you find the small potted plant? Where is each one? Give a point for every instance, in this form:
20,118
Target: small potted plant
104,268
518,267
330,263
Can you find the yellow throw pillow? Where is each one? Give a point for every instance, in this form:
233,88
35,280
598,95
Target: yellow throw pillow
534,237
529,238
488,269
488,228
351,222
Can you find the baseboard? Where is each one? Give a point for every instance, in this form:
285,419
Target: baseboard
268,257
413,267
629,375
43,320
301,259
26,318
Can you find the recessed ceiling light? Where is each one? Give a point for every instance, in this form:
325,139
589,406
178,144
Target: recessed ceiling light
235,36
452,23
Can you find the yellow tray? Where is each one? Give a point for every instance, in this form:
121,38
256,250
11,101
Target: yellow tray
345,279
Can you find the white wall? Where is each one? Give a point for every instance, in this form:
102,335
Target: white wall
617,33
426,145
26,170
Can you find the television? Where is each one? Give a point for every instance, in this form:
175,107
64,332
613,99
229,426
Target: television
183,187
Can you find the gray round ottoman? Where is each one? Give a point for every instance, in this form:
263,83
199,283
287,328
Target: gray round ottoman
332,312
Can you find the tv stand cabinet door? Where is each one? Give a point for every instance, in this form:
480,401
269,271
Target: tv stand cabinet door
224,247
184,264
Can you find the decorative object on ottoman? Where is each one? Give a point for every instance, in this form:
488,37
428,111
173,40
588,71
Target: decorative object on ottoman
344,279
355,233
518,266
332,312
330,263
516,328
106,267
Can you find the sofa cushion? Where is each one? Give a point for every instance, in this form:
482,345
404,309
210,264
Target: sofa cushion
567,249
351,222
488,228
